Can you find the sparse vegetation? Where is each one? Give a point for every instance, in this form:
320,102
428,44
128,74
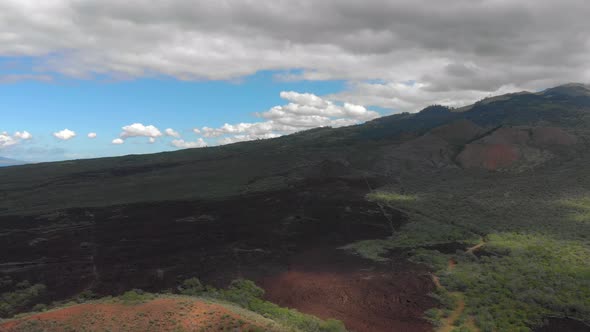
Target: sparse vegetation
242,297
249,296
136,296
23,296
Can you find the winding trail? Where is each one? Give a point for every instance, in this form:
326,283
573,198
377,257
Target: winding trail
448,322
476,247
459,308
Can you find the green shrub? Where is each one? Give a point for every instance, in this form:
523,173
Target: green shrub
39,307
86,295
23,297
247,288
192,287
136,296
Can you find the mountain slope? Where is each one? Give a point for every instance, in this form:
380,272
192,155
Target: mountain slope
269,164
506,177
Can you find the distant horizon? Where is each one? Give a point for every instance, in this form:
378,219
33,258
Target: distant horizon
171,138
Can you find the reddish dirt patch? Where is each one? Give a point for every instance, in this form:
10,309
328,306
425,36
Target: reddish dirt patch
452,264
366,297
507,145
158,315
489,156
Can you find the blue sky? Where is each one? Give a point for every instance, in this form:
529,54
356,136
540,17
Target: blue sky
104,106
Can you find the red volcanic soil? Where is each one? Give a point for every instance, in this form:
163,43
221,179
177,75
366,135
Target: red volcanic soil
165,314
489,156
507,145
330,283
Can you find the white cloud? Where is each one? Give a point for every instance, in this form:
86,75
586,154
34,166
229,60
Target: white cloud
454,49
6,140
304,111
172,133
65,134
118,141
412,97
24,135
179,143
92,135
15,78
152,140
139,130
244,138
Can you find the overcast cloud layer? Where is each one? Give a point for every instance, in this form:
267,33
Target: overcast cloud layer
452,48
400,55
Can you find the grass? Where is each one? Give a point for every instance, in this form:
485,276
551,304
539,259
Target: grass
391,197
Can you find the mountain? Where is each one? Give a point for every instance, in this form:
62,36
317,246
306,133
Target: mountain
485,206
10,162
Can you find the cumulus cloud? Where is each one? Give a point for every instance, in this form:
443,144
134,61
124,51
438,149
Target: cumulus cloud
92,135
456,48
139,130
24,135
118,141
172,133
304,111
179,143
65,134
6,140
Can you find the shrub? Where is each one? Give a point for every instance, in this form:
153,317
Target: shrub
192,287
86,295
39,307
23,297
246,294
247,288
136,296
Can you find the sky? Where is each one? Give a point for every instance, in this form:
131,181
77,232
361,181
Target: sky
85,79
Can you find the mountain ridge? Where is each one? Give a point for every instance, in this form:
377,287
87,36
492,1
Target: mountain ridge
475,206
